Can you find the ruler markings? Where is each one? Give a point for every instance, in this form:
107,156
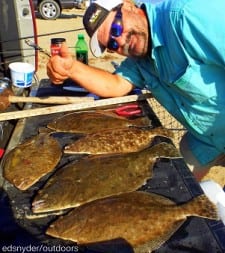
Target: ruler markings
71,107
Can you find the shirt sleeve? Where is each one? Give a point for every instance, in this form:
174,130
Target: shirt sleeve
201,32
129,70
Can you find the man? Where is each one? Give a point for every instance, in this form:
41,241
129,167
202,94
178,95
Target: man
174,48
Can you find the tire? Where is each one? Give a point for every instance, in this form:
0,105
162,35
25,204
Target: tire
49,9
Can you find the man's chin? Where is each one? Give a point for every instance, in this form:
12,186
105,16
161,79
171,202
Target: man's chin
137,55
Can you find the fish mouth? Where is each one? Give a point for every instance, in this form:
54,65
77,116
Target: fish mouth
38,204
40,207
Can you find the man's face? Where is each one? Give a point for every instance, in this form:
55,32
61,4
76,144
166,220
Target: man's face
133,40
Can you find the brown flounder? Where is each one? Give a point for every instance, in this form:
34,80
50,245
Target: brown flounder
116,141
98,177
29,161
91,122
141,219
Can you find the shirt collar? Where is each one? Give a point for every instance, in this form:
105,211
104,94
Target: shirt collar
154,24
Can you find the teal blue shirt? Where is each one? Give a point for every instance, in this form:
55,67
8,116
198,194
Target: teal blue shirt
185,70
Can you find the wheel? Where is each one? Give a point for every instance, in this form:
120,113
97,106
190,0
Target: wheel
49,9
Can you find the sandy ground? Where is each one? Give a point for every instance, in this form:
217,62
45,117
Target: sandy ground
68,26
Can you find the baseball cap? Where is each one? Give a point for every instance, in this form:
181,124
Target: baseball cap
94,16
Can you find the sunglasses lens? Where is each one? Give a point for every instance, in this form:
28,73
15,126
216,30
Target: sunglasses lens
112,45
116,29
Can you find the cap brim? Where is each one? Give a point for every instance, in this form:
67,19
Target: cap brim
96,48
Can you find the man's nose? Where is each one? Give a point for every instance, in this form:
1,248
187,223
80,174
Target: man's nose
121,40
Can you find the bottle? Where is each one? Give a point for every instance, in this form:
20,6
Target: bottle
56,44
81,49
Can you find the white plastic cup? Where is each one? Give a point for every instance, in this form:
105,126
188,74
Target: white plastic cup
21,74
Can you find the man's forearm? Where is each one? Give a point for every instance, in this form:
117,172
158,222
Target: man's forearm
99,81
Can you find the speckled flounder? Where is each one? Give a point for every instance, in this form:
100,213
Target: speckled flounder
31,160
99,177
91,122
116,141
141,219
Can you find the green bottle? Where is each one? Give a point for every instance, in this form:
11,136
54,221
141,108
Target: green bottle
81,49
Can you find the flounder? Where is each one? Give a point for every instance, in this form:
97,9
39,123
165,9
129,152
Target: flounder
31,160
116,141
91,122
141,219
98,177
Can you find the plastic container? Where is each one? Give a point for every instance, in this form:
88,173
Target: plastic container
81,49
56,44
21,74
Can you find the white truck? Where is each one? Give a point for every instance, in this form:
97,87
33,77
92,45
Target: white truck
17,23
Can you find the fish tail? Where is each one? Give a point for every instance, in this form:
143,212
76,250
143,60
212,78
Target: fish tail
203,207
165,150
165,132
169,133
169,150
142,122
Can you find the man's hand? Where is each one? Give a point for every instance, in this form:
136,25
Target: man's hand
58,66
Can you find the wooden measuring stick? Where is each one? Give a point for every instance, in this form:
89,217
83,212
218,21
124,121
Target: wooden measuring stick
48,100
72,107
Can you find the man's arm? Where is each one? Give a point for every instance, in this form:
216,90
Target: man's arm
95,80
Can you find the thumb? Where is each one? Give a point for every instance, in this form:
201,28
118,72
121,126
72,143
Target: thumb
64,51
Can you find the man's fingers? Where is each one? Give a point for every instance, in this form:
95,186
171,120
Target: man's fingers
57,66
55,77
64,51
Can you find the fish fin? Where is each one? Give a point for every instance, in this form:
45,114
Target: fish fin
170,150
141,122
45,130
164,150
161,199
165,132
155,244
201,206
138,122
110,113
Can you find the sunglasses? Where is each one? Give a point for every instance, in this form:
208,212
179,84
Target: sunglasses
115,31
